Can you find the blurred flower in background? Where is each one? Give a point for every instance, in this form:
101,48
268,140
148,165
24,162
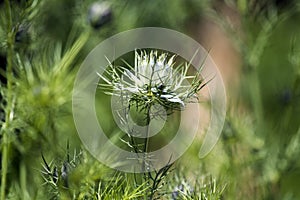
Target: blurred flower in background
99,14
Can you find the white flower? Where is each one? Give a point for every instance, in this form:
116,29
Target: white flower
153,79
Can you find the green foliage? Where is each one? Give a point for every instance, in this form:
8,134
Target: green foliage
43,43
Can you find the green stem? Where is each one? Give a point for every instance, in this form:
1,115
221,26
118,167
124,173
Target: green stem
146,141
4,165
23,179
8,111
146,144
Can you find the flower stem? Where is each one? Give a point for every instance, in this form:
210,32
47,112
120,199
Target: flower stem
145,150
8,111
146,141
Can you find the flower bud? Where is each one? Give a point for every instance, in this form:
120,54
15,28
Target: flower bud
99,14
22,34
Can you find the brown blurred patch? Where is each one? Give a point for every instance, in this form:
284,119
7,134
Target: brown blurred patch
221,49
219,44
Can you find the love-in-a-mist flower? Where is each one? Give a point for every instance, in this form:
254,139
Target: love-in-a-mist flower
154,79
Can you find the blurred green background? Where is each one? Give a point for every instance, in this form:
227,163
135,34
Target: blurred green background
255,44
